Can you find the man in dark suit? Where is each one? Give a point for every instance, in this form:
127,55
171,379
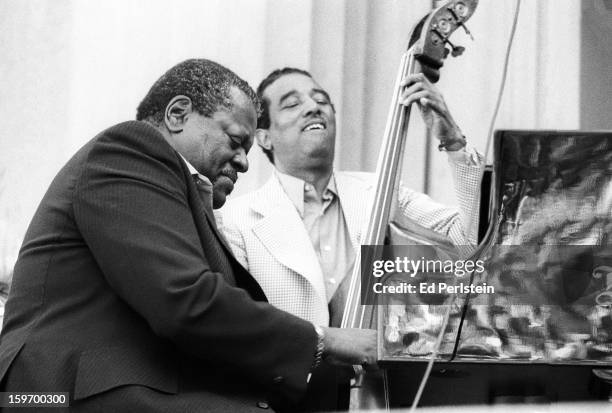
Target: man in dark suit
125,294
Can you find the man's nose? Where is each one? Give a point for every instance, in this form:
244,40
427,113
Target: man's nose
240,161
311,107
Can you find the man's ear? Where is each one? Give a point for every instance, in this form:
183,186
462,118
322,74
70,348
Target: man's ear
263,139
176,113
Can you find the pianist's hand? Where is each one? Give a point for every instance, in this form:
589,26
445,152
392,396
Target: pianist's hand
350,346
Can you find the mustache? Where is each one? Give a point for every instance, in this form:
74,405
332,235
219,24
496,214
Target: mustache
230,173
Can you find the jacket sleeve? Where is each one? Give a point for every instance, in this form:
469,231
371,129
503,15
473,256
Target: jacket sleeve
444,220
130,203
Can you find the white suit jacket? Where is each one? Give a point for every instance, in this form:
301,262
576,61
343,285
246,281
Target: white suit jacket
268,236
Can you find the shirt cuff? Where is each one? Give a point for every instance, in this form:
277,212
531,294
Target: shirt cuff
467,156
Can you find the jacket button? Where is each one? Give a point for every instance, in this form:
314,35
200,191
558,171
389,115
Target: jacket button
278,380
263,405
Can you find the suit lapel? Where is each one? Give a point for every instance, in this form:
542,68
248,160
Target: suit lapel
205,222
197,203
282,232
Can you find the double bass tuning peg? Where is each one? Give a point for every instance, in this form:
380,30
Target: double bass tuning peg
467,31
459,15
457,51
454,50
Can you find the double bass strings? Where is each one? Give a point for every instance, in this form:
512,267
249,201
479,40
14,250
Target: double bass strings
469,223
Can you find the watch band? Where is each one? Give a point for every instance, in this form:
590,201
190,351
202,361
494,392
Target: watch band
445,144
318,355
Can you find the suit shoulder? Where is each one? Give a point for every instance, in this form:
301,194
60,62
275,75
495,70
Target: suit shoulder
243,202
131,128
137,134
139,139
240,204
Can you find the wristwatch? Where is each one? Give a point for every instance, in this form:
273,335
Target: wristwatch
448,145
318,355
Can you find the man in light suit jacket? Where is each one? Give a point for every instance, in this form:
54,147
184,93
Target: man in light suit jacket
298,234
126,296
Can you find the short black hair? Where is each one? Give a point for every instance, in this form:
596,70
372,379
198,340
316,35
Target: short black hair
205,82
263,120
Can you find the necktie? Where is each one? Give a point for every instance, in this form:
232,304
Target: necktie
205,192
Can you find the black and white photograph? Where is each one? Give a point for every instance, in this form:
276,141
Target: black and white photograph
306,205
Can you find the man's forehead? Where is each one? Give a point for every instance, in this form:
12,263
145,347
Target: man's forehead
241,114
292,82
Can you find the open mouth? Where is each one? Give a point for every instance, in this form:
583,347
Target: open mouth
315,126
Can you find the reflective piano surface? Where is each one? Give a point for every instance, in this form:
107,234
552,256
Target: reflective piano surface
547,254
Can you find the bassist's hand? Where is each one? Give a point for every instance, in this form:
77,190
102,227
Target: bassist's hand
440,123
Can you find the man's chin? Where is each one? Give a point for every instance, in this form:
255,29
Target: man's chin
218,200
221,189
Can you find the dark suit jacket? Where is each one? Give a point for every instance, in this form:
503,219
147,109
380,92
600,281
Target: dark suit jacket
125,295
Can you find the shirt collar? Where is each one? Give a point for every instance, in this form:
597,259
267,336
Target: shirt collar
194,171
295,187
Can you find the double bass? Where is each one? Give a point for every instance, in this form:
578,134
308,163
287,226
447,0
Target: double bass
428,46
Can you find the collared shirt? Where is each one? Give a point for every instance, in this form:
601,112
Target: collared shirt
204,184
324,221
194,171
